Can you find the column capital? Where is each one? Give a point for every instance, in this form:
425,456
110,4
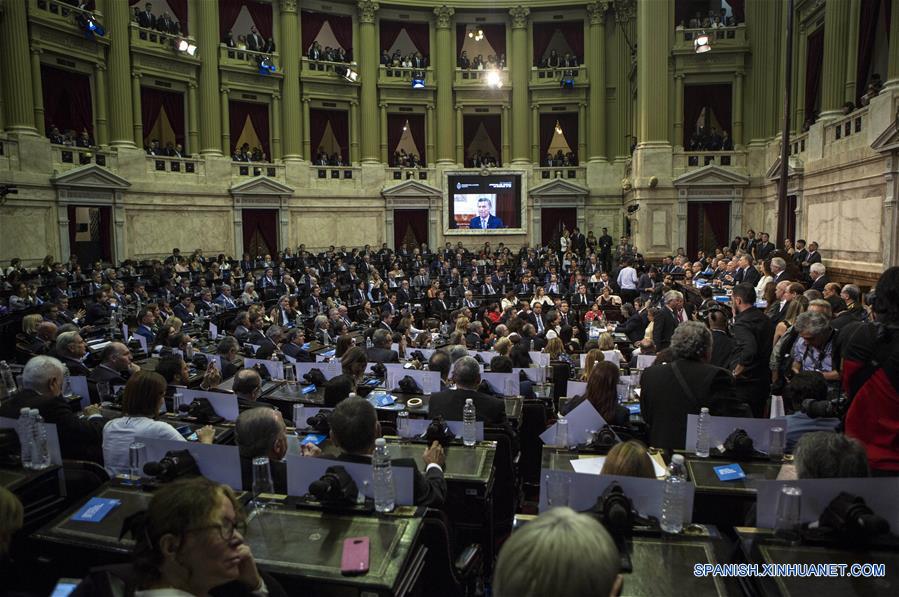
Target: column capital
306,100
367,10
680,75
288,6
99,67
519,16
458,107
596,11
429,107
37,51
224,90
739,74
136,74
192,85
444,16
354,103
535,106
383,105
276,96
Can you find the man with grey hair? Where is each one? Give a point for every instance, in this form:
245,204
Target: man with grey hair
42,381
467,377
667,319
778,270
381,352
70,349
671,392
457,351
224,298
830,455
473,337
814,349
818,272
261,433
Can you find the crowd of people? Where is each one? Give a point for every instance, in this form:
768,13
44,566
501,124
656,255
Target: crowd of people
560,159
251,41
710,139
172,150
398,60
401,159
70,138
480,63
164,23
554,60
712,20
482,159
322,158
328,54
246,154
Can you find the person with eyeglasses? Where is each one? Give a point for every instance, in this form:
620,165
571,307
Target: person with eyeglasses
189,541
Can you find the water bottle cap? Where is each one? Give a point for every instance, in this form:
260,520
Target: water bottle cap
678,459
468,401
380,443
24,411
704,409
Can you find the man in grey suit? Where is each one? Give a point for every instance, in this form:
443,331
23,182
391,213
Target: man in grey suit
381,352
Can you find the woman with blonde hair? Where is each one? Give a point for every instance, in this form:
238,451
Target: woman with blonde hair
176,324
607,345
540,297
555,348
462,325
594,356
629,459
502,346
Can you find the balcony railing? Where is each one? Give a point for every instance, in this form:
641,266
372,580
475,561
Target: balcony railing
245,58
697,159
67,157
469,76
150,38
846,127
399,74
251,169
325,67
559,75
190,166
544,173
397,175
9,154
797,144
336,172
61,11
725,36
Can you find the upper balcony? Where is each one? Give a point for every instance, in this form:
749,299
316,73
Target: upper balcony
159,167
67,157
404,76
327,71
160,43
397,176
247,60
252,169
568,76
720,37
60,12
846,132
685,161
474,78
546,173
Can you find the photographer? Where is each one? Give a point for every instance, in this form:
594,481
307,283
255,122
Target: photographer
806,387
871,377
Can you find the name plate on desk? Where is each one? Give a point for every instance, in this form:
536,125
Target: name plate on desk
541,359
420,426
721,427
52,438
646,494
576,388
329,369
78,384
498,381
581,421
880,494
275,368
303,470
216,462
224,405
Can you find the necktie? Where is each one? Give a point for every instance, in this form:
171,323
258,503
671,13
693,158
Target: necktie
483,224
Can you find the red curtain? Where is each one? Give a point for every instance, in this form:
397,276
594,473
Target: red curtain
493,126
342,27
67,100
310,24
261,13
569,124
716,98
460,39
395,124
417,128
496,35
508,208
258,113
543,32
414,219
739,8
867,34
552,219
572,31
318,119
228,11
707,226
417,32
263,221
152,101
814,60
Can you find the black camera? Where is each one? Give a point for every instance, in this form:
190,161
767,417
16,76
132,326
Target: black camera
379,370
603,440
833,408
335,488
201,410
407,385
315,377
320,423
849,518
176,464
438,431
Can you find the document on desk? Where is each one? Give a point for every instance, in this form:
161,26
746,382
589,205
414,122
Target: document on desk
592,465
581,421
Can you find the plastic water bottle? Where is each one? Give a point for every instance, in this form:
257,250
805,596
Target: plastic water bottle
562,432
702,433
7,381
469,418
382,475
672,519
368,343
26,435
40,451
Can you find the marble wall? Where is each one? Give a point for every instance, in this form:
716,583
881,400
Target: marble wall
152,232
28,232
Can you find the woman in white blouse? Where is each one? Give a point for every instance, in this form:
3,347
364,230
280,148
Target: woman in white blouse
763,281
143,399
540,297
249,295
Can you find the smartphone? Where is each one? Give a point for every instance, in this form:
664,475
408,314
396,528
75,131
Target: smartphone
355,556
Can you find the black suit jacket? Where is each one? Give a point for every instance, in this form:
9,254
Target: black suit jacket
428,490
449,404
722,347
278,469
295,351
665,404
634,327
79,439
75,366
381,355
820,283
663,328
751,276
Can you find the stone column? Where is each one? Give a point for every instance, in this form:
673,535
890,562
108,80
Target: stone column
292,133
652,74
506,133
444,73
737,133
307,142
37,86
101,134
193,128
460,137
596,73
225,127
137,125
382,141
893,66
430,133
519,61
121,85
581,132
354,133
18,98
678,140
833,81
799,95
213,124
535,135
277,129
851,48
367,56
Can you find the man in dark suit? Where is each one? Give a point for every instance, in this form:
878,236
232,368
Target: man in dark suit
293,346
255,42
261,433
667,320
764,247
115,366
753,335
722,343
750,275
801,253
248,387
43,379
146,18
779,270
70,349
449,404
813,255
537,319
674,390
381,352
354,429
438,306
818,274
484,220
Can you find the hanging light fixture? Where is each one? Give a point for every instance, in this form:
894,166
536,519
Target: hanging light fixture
701,43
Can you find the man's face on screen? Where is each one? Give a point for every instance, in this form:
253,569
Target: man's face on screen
483,209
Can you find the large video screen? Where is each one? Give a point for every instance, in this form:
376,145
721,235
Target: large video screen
484,202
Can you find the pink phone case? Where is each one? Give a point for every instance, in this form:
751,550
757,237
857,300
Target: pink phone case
355,556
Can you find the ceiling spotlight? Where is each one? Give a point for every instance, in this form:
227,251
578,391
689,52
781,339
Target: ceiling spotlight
493,79
701,43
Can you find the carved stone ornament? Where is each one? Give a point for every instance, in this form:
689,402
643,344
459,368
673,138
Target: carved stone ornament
288,5
367,10
444,16
519,16
597,11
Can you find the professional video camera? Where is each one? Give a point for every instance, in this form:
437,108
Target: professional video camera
603,440
848,519
320,423
616,513
201,410
438,431
831,408
176,464
379,370
703,313
335,488
315,377
407,385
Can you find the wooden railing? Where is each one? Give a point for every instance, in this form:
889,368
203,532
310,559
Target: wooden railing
66,157
251,169
469,76
336,172
142,36
175,165
726,35
392,74
319,67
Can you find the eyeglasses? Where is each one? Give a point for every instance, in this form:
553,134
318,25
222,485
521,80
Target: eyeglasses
226,529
